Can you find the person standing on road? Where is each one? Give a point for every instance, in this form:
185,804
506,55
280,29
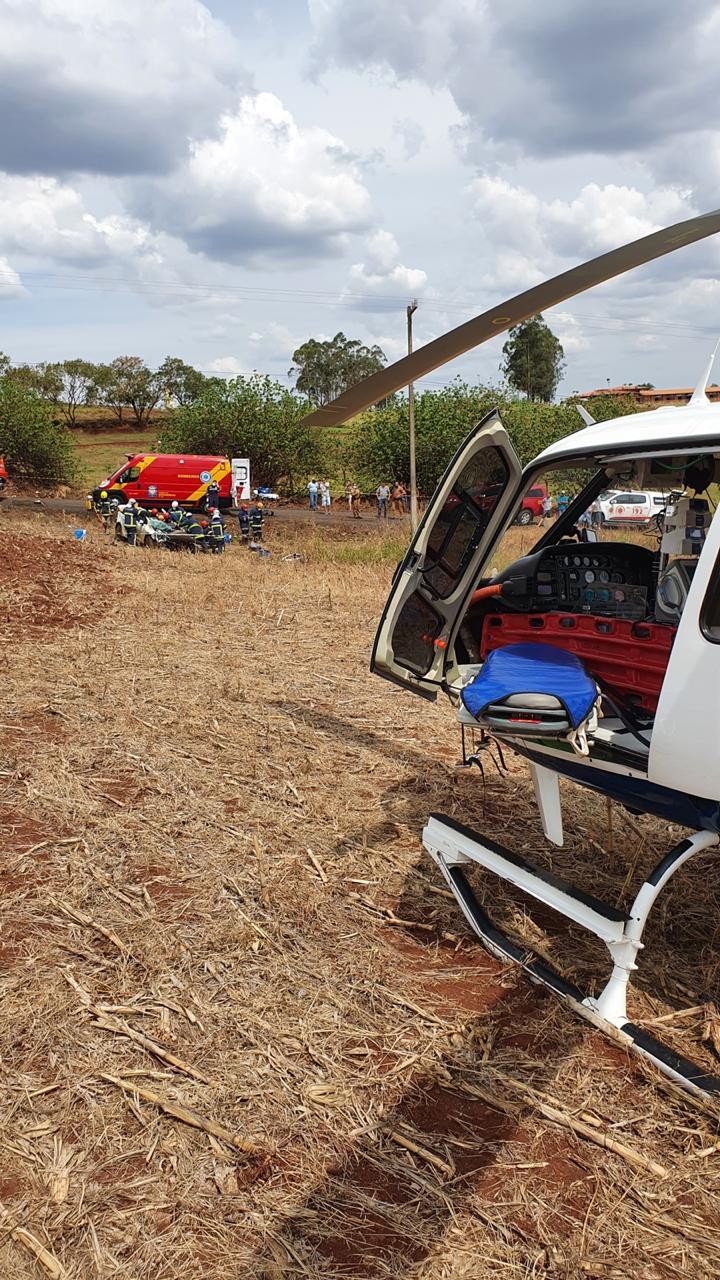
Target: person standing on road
216,532
128,517
547,508
563,503
325,496
382,493
313,494
355,501
398,494
212,496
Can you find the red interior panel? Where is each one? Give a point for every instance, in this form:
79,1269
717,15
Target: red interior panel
629,658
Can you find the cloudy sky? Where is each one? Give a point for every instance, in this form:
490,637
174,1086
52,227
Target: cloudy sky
221,181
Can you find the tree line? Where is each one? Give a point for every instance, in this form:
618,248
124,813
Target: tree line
125,384
260,419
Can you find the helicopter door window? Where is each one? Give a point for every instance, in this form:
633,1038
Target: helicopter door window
463,519
414,634
710,612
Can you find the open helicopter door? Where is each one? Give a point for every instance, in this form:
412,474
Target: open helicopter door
413,645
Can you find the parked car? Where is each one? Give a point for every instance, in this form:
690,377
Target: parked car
532,504
624,507
3,478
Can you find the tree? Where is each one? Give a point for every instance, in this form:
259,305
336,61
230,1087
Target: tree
323,370
35,448
42,378
77,380
379,438
534,359
253,418
180,383
128,383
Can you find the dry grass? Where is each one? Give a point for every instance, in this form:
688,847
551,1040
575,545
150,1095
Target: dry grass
223,1053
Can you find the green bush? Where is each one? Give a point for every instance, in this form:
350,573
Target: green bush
253,418
34,446
379,438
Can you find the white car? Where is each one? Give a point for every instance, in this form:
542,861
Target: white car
150,533
623,507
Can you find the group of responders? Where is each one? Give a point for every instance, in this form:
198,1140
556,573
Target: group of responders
176,527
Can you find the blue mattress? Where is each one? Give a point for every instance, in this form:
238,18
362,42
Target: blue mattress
532,668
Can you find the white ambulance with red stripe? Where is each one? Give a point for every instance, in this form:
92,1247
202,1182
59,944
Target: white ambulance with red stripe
630,507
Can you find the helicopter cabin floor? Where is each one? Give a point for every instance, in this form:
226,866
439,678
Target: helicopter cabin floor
246,1031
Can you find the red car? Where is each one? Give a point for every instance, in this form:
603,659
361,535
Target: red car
532,504
3,477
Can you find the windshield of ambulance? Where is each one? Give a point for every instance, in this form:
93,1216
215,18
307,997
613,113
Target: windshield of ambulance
462,520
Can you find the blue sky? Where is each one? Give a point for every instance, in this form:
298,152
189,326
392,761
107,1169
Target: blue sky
222,181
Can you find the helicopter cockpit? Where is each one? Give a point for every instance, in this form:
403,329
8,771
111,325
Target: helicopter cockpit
606,583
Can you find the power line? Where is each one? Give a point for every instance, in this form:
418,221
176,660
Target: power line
264,293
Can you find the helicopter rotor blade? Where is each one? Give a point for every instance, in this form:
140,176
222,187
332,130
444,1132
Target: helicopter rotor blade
476,331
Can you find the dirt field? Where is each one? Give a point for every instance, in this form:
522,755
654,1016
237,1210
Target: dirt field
245,1034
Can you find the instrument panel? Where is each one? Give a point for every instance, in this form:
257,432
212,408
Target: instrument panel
614,579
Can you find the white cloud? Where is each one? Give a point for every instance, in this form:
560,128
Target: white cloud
380,273
11,286
228,367
569,332
530,238
110,88
265,188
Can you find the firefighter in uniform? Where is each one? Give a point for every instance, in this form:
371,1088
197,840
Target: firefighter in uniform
175,515
128,517
190,524
216,532
244,522
257,520
213,496
102,506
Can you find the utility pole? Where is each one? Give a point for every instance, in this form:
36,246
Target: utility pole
412,308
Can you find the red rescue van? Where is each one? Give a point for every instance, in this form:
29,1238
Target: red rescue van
157,479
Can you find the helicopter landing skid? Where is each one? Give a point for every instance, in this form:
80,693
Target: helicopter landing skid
452,845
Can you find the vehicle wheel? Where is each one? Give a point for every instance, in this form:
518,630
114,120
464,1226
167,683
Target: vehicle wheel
525,516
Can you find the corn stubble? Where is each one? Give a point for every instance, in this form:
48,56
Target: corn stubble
226,1050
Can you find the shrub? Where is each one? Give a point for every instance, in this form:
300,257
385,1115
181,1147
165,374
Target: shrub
35,446
253,418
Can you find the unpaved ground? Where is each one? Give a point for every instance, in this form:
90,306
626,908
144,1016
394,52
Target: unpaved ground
210,818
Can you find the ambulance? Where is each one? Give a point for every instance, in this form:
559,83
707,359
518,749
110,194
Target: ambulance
157,479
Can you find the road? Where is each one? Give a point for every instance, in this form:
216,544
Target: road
338,515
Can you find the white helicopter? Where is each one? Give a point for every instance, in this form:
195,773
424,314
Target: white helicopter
598,661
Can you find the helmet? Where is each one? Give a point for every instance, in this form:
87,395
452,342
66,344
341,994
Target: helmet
103,493
175,505
132,502
216,511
